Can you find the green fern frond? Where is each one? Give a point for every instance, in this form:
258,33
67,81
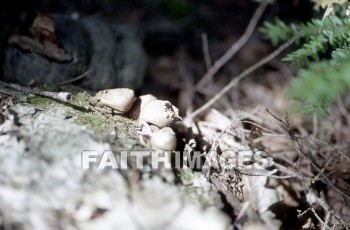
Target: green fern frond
320,84
340,55
318,37
309,51
277,31
324,54
320,110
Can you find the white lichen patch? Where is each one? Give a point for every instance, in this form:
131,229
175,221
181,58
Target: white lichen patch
43,185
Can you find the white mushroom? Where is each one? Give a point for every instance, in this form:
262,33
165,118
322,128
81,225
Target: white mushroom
134,112
147,98
120,100
159,113
164,139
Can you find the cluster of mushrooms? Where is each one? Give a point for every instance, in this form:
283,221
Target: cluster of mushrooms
155,116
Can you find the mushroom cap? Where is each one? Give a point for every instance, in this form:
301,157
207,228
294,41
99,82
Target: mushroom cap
120,99
160,113
134,112
164,139
147,98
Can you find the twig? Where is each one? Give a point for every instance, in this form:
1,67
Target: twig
342,109
62,96
234,122
323,169
314,126
322,202
326,221
297,145
318,217
226,192
241,213
240,77
259,126
77,78
289,173
206,52
187,78
235,47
